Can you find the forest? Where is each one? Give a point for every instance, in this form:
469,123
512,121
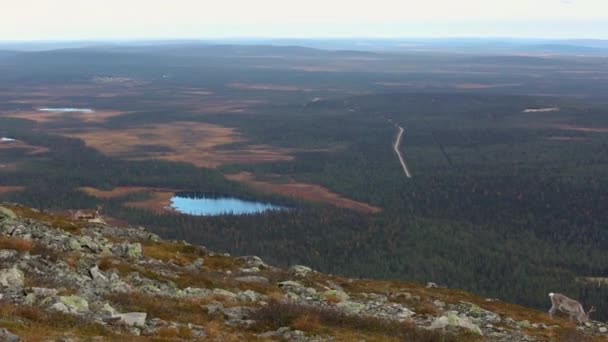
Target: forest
504,201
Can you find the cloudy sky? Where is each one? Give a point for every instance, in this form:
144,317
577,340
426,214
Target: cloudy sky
129,19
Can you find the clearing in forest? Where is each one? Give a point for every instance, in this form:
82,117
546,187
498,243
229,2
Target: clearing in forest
198,143
309,192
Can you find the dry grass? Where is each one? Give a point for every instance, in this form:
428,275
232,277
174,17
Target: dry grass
35,324
56,221
45,117
321,320
175,333
116,192
266,86
23,245
185,310
32,149
310,192
17,244
159,202
8,188
177,252
191,142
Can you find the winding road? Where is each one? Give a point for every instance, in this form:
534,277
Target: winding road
396,148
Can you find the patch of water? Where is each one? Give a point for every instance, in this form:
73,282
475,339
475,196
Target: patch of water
213,206
67,110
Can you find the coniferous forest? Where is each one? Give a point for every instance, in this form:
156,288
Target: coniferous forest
508,154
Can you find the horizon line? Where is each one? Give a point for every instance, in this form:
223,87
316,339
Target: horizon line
253,38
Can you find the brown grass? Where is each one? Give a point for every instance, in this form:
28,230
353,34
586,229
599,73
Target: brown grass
177,252
566,138
483,86
35,324
116,192
45,117
8,188
17,244
265,86
191,142
159,202
309,192
56,221
278,314
185,310
33,149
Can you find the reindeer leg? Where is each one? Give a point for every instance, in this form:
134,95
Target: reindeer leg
552,311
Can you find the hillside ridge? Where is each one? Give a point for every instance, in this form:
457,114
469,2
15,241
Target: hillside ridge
75,280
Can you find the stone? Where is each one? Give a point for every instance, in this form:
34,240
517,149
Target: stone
248,296
6,212
11,278
351,307
252,279
213,308
439,304
300,270
108,310
7,336
8,253
132,319
96,274
59,306
193,292
30,299
44,292
340,296
603,330
235,314
431,285
73,245
75,304
525,324
87,241
198,263
251,270
224,293
289,283
134,250
252,261
453,320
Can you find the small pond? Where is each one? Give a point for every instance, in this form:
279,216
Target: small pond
204,205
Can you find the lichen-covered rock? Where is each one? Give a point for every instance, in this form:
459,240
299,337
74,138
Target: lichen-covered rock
337,295
75,304
134,250
6,212
453,320
7,336
351,307
11,278
300,270
133,319
252,279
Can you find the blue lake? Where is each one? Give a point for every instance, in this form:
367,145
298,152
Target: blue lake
211,206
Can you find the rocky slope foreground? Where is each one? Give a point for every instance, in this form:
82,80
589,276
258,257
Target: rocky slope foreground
63,280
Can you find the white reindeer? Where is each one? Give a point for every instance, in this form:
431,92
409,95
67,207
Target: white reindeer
568,306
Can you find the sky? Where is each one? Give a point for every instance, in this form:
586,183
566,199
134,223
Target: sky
209,19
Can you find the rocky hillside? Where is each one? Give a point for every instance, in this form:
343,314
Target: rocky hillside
63,280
